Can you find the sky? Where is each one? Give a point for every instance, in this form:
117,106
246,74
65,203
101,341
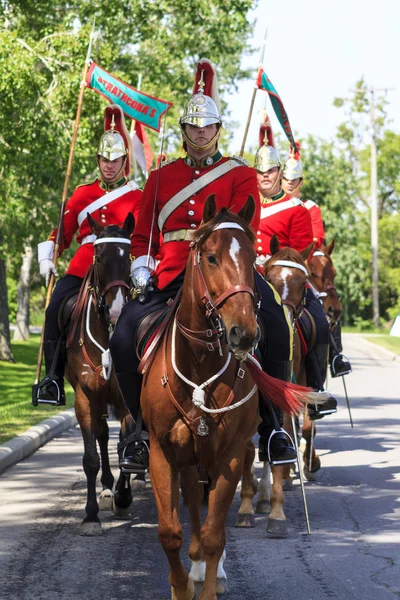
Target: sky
316,50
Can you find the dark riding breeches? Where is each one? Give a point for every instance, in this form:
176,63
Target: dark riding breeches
66,286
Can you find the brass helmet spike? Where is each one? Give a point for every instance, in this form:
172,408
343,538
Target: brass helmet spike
112,124
201,83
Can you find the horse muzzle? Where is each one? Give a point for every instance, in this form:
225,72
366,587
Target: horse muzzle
241,342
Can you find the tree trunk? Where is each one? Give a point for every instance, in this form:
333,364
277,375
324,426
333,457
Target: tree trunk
5,348
23,293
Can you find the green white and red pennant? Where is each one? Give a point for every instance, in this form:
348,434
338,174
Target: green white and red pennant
136,105
264,83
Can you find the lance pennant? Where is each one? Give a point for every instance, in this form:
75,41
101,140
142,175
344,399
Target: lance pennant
136,105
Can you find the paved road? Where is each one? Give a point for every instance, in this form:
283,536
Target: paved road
354,550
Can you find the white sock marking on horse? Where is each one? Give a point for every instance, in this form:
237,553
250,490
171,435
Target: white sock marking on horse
234,251
221,572
116,306
284,274
198,570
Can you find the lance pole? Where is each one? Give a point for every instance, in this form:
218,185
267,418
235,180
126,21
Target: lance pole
303,490
133,123
246,131
65,193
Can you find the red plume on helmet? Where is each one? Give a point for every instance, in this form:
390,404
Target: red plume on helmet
295,152
113,110
266,131
206,74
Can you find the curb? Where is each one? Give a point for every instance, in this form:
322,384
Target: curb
33,438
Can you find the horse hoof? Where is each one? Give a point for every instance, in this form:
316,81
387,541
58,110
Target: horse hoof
277,527
245,520
222,585
288,485
90,528
310,475
188,594
263,507
122,512
137,485
105,500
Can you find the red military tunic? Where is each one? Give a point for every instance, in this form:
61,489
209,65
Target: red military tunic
316,222
231,190
288,219
113,213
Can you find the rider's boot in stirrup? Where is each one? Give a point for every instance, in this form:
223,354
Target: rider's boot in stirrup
134,451
316,375
51,389
339,364
275,445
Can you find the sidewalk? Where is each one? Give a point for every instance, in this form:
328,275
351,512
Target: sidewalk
33,438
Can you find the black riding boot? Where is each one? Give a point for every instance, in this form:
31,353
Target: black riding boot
317,365
339,364
274,445
134,450
51,389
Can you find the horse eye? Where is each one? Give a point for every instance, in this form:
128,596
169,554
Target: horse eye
211,259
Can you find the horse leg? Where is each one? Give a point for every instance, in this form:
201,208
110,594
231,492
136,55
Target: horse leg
213,531
166,491
193,494
309,474
264,490
91,464
122,498
276,525
245,516
107,478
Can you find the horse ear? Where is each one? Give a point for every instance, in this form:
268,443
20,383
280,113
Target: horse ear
274,245
247,212
329,249
94,225
129,224
307,251
210,209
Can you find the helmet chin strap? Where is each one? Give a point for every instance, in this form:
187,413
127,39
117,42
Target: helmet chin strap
201,148
117,175
297,186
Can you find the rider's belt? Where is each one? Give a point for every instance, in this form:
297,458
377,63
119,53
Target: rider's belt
88,239
180,235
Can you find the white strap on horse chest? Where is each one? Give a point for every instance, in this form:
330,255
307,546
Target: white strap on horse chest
106,199
194,187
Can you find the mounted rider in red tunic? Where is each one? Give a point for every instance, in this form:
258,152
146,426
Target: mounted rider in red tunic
292,183
171,209
108,200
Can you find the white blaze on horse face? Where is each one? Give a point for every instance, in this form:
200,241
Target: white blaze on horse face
116,306
121,251
234,251
284,275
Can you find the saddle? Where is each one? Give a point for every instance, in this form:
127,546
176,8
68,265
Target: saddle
306,331
65,313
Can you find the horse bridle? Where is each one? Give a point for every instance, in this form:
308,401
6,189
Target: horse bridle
212,313
324,293
97,294
297,309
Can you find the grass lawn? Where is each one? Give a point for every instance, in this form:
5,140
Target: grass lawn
387,341
16,411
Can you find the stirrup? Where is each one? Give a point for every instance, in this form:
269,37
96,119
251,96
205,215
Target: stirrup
333,370
59,400
288,461
138,469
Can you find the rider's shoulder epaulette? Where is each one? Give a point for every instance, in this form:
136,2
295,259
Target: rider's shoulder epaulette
240,160
87,183
168,161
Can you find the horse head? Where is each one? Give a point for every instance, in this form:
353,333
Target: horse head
287,271
221,274
322,278
111,266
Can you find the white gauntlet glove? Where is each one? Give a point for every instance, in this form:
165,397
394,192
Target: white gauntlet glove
45,258
142,278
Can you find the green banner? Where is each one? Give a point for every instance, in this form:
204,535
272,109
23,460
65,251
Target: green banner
263,83
136,105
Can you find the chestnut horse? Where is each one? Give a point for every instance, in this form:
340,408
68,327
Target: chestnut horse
198,369
287,271
104,291
322,277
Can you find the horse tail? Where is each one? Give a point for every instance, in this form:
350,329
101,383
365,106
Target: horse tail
290,397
